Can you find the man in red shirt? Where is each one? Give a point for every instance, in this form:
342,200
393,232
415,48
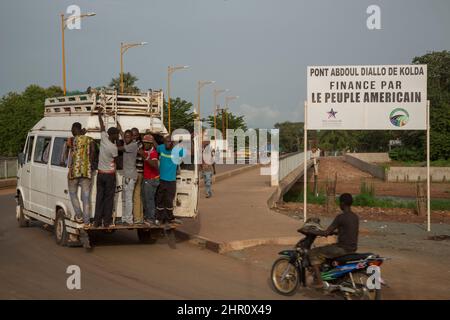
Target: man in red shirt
151,178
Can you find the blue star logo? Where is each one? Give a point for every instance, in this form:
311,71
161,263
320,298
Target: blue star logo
331,114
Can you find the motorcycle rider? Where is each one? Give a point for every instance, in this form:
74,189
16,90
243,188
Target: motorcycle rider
347,225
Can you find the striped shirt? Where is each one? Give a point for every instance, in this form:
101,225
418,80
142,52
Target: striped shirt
139,159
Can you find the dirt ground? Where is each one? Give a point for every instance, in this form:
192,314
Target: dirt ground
349,180
365,213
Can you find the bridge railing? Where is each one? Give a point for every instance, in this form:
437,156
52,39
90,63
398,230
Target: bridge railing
287,164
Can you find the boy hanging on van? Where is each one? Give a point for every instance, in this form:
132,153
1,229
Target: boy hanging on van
130,175
82,151
106,176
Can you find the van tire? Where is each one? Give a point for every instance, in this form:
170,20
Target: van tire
22,220
145,236
61,235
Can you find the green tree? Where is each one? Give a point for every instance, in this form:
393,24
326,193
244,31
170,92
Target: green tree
180,114
129,83
336,140
291,136
438,89
19,112
234,121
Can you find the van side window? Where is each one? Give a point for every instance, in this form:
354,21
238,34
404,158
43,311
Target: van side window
29,148
59,152
42,149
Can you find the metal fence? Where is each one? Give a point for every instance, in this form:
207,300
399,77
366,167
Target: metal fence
8,168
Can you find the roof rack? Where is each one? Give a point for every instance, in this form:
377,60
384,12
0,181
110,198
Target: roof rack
147,104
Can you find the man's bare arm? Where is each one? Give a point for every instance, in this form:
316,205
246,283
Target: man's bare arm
120,130
100,119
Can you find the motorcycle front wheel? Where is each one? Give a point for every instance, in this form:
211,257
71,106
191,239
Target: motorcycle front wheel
284,276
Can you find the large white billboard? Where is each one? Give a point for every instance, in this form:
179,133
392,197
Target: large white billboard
384,97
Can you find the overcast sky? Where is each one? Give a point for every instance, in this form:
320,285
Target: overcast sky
259,49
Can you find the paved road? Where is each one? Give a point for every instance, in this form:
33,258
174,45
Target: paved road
33,266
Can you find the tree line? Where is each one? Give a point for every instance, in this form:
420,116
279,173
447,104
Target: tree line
19,112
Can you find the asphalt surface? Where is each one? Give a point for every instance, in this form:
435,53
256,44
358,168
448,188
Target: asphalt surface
32,266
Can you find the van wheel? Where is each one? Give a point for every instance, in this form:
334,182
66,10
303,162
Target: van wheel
21,219
145,236
61,235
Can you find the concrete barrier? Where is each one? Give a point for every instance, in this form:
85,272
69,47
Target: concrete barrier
286,184
362,165
412,174
374,157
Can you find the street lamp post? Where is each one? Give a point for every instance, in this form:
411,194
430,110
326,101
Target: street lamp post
216,93
171,70
227,99
200,85
63,27
123,48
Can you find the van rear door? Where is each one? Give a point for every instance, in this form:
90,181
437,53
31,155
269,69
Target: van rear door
186,198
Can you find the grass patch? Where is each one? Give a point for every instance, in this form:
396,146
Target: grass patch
395,163
366,198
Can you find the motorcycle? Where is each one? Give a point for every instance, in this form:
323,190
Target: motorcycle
348,275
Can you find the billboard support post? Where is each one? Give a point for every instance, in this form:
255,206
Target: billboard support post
305,167
428,169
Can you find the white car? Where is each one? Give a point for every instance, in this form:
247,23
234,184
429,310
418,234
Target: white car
42,188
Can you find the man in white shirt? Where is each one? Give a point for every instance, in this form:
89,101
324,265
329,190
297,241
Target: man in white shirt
106,176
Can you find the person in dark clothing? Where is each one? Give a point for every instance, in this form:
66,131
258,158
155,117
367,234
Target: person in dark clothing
347,226
106,176
170,157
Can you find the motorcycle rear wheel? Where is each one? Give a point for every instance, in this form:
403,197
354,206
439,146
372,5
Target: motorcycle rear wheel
284,276
364,293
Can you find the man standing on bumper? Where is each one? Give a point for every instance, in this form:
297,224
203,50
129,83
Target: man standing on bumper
130,149
169,159
151,178
138,211
82,151
106,177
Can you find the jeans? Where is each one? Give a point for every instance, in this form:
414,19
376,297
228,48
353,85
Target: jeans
138,211
149,188
127,199
207,176
106,189
85,185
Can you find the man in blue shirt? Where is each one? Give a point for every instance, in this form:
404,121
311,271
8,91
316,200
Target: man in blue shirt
169,158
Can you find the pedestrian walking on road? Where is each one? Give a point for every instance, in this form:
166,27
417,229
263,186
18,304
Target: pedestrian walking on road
208,167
